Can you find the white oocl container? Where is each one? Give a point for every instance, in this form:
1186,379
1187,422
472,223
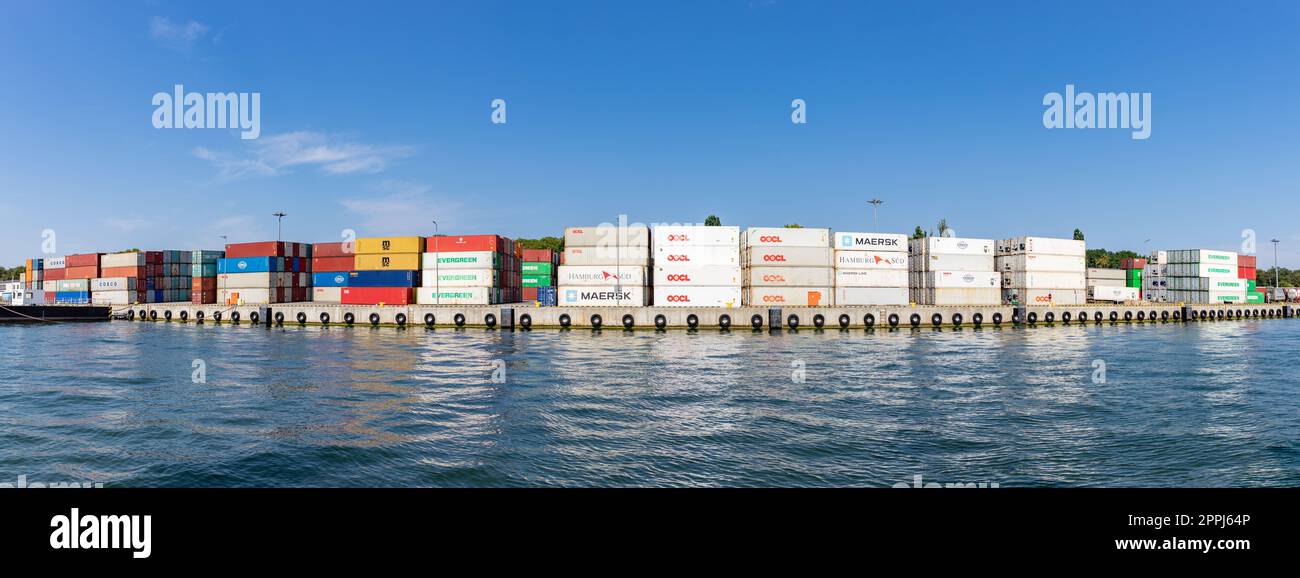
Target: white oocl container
869,278
1045,296
962,279
788,256
607,235
870,260
327,294
1036,262
878,242
783,237
628,295
1114,294
697,276
790,296
958,296
455,296
951,246
788,277
635,256
600,276
697,296
1049,280
952,262
1042,246
697,254
850,296
671,236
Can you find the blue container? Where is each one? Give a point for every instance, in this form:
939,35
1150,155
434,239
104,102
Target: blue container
547,296
330,279
158,296
251,265
72,297
383,278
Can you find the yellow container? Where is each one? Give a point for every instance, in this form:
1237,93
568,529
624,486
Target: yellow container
388,262
389,245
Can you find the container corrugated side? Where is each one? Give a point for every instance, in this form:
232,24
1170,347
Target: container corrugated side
670,236
789,296
1042,246
1044,280
698,296
788,257
851,296
951,246
1041,263
460,260
600,276
786,237
788,277
871,260
877,242
868,278
462,278
715,276
607,235
1045,296
628,295
1114,294
637,256
949,262
697,254
963,279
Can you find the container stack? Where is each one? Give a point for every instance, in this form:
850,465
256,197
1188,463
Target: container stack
54,270
538,275
696,266
331,266
1108,285
954,271
174,278
870,269
203,276
1247,273
787,266
1134,269
125,278
386,270
34,275
1042,271
1155,278
1204,276
467,270
265,272
605,265
78,272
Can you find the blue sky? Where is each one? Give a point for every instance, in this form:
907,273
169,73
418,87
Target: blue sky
376,117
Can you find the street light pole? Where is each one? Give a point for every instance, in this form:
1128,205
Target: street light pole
279,224
437,282
875,206
1277,273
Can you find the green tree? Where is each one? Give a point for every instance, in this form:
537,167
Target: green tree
553,243
943,227
919,233
712,221
1078,235
793,226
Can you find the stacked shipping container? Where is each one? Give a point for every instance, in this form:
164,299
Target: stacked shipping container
787,266
1204,276
1042,271
538,275
870,269
331,266
697,266
77,274
386,271
605,265
265,272
469,270
954,271
203,276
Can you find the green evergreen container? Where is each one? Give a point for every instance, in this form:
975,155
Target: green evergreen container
538,280
538,268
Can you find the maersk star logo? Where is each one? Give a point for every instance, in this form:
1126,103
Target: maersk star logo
570,295
846,241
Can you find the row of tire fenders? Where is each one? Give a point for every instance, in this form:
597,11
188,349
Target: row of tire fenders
792,321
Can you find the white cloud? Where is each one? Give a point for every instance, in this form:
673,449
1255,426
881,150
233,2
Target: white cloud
175,35
279,154
401,207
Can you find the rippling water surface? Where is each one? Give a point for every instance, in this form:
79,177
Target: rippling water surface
1202,404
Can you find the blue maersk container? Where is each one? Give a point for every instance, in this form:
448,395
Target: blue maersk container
547,296
250,265
330,279
383,278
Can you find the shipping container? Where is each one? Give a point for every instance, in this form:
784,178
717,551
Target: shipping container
1132,263
674,236
953,262
392,261
462,278
870,278
538,268
1114,294
788,277
600,276
539,256
130,259
1112,274
250,296
677,275
788,256
391,245
1044,280
960,297
376,295
82,260
1041,263
327,294
626,295
930,246
697,296
260,280
548,296
456,296
859,296
117,297
389,278
1224,258
875,242
538,280
1201,270
786,237
250,265
55,263
1245,272
72,286
86,272
261,249
607,235
72,297
1242,261
697,254
962,279
347,263
788,296
636,256
1025,296
1041,246
465,260
113,284
870,260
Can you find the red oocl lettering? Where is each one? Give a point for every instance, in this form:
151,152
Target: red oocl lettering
679,258
769,239
678,277
774,258
679,299
774,278
774,299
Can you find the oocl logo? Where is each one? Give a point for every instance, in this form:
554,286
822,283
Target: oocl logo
769,239
1043,299
683,238
776,258
968,278
962,245
681,277
774,278
679,258
774,298
679,299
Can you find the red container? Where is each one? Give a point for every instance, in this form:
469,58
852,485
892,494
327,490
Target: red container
376,295
530,293
1246,273
263,249
89,272
452,244
1247,261
1138,263
329,250
328,264
539,255
203,284
55,274
123,272
82,260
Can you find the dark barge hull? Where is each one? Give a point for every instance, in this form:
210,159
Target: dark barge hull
52,313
